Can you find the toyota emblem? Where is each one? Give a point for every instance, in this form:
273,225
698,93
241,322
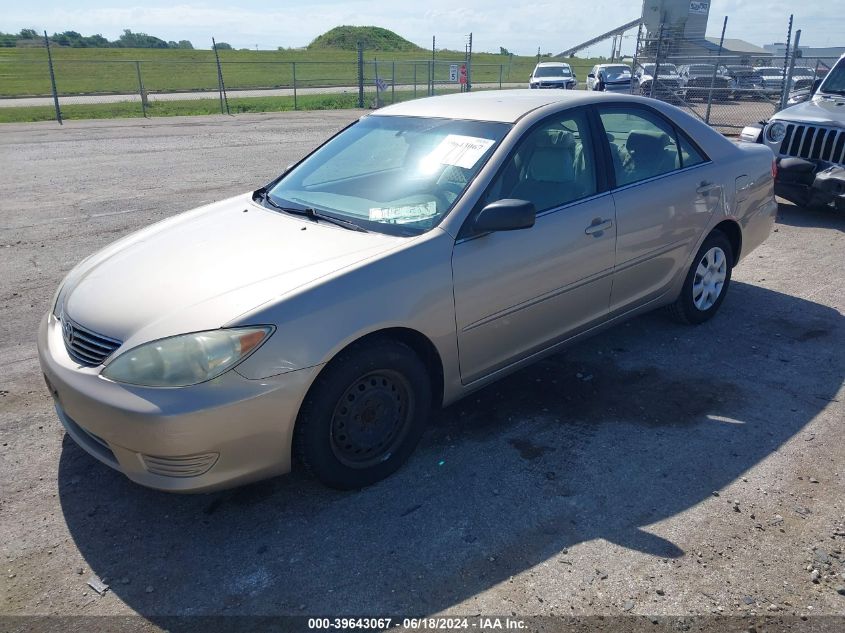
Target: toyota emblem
67,330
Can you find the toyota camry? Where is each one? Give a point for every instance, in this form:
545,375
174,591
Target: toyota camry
426,250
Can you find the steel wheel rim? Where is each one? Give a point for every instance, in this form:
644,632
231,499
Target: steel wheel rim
371,419
709,280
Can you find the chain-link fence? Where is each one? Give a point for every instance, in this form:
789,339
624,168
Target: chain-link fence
729,91
44,89
728,87
725,88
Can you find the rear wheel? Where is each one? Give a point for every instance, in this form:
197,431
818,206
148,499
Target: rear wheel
364,415
707,281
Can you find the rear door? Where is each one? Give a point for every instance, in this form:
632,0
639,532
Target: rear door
518,292
665,189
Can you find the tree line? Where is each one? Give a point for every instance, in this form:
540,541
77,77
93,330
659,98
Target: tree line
30,37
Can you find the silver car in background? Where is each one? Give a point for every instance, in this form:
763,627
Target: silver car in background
610,78
425,251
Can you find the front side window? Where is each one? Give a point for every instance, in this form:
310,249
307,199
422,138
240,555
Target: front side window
552,166
397,175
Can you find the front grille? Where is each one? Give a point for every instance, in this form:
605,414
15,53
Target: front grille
185,466
814,142
86,347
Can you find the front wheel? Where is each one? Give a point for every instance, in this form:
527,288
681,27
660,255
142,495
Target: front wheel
364,415
707,281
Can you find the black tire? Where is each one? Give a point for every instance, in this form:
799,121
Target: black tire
684,309
364,415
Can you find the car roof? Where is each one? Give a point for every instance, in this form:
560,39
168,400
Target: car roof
505,106
552,64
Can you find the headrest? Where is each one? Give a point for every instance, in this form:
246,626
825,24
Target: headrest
550,164
647,141
556,138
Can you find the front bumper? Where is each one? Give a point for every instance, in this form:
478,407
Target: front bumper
810,182
554,86
217,434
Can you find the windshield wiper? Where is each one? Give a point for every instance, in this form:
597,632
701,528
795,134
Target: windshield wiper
308,212
311,212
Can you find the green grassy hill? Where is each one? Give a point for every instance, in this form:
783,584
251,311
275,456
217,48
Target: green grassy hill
346,38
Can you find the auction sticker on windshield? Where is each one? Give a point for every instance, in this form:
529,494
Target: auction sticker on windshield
405,213
460,151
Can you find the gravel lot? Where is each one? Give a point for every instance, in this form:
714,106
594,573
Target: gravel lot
657,470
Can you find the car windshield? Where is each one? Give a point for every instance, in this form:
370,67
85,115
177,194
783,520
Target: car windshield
391,174
700,69
768,72
616,70
552,71
803,72
835,81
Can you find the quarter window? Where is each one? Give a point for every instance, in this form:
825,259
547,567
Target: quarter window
689,155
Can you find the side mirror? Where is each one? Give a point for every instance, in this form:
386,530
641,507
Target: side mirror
506,215
592,75
816,83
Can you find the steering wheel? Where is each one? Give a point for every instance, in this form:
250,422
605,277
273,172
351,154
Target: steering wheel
446,188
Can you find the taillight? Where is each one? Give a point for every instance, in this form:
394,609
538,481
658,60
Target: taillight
775,169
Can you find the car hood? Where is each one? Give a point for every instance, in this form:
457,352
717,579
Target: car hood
202,269
822,111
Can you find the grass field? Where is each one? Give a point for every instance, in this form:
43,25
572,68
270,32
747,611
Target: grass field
129,109
24,71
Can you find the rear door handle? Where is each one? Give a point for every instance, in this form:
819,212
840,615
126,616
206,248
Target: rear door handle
598,226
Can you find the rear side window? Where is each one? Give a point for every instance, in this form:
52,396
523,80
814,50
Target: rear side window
643,145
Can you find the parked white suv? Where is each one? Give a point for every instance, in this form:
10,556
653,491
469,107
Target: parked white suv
553,75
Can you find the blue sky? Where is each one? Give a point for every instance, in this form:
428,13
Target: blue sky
520,27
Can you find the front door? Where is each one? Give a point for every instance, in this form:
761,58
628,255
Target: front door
518,292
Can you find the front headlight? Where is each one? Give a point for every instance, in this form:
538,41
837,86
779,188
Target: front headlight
187,359
776,132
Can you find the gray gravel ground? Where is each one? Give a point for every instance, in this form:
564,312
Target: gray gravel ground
655,470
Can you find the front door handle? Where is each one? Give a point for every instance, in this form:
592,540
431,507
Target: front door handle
597,227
